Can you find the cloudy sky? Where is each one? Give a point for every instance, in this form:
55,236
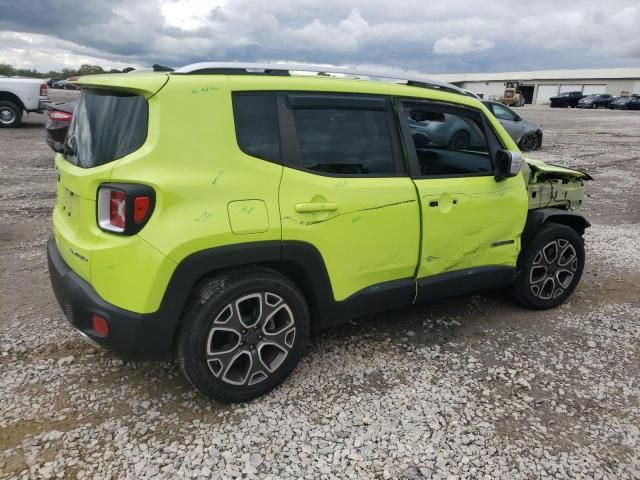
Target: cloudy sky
437,36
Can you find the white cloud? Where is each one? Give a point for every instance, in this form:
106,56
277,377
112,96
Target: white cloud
45,53
188,14
460,45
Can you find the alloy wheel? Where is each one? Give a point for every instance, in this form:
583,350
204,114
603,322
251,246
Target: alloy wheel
553,269
460,141
529,142
250,339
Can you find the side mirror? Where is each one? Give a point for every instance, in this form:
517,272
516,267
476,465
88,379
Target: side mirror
507,164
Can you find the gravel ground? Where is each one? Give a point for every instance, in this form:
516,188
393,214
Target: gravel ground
470,387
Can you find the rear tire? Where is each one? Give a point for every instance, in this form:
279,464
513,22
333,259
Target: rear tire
549,268
243,334
10,115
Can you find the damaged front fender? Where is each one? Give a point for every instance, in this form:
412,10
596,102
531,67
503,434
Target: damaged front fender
554,186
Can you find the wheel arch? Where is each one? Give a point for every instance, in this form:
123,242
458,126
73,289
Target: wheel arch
301,262
538,217
11,97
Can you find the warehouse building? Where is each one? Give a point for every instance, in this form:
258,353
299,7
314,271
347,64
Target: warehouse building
539,86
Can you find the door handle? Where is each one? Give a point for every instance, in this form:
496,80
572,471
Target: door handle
434,203
316,207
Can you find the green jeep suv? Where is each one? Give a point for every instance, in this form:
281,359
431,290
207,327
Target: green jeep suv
221,212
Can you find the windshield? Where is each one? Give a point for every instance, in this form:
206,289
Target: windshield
106,126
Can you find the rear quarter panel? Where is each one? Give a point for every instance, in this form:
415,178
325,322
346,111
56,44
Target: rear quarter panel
197,170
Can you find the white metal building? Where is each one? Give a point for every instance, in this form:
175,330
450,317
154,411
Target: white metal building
538,86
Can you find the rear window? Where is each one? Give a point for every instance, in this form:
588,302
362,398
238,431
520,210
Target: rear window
106,126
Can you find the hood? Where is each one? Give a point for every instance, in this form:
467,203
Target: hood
530,124
541,170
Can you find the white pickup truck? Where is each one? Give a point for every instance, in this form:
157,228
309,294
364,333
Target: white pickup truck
19,95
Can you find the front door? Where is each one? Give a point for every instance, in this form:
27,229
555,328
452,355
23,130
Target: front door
469,220
345,191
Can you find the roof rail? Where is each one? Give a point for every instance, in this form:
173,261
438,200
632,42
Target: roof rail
236,68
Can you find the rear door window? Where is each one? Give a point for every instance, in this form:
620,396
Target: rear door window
106,126
343,135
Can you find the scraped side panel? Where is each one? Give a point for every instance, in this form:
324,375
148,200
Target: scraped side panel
470,222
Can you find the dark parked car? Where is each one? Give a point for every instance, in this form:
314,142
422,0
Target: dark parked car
595,101
626,103
566,99
527,134
63,85
59,117
52,81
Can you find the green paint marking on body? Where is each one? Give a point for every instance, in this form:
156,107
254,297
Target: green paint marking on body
206,89
203,217
217,178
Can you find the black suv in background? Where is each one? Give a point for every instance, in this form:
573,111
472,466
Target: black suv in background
595,101
566,99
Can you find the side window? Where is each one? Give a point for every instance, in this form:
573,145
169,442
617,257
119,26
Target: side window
256,120
448,143
344,141
503,113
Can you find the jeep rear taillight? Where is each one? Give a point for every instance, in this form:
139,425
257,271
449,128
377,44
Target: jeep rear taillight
112,206
124,208
43,89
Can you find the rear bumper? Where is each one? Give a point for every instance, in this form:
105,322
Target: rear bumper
131,335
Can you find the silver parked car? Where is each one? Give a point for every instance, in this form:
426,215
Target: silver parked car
527,134
446,130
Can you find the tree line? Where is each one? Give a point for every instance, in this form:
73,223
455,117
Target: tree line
10,71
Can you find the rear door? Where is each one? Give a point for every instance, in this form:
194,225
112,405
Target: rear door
469,220
345,190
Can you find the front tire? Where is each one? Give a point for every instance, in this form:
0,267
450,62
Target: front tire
529,142
460,140
550,267
10,115
243,334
